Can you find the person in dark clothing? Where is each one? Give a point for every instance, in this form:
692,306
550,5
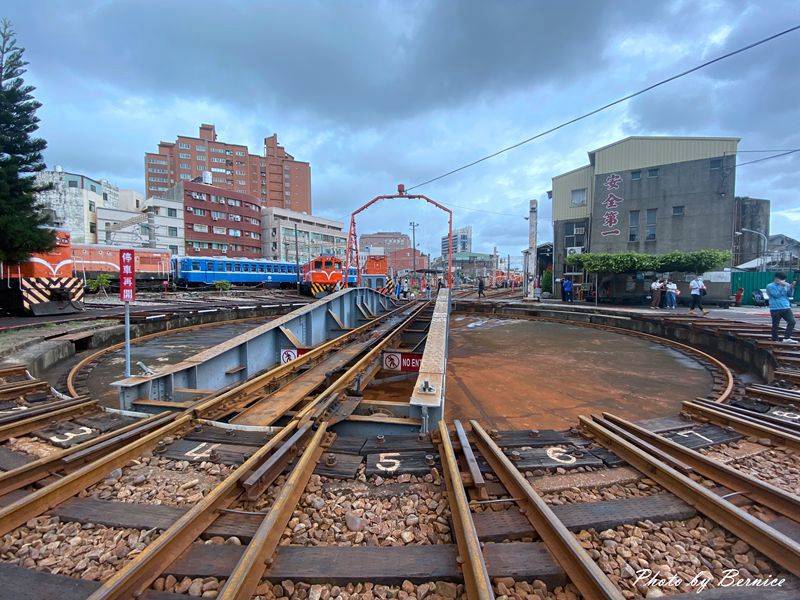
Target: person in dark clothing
568,290
480,287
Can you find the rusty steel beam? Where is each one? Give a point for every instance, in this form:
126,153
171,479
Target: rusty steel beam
51,495
41,468
473,565
584,573
137,575
779,500
244,579
741,424
770,542
64,410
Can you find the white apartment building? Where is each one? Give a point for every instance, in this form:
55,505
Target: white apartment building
315,235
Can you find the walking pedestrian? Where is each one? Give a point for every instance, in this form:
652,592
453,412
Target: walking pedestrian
780,307
480,287
697,290
398,288
672,294
405,289
567,283
655,293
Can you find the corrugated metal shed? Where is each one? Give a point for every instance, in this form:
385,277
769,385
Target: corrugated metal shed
562,194
639,152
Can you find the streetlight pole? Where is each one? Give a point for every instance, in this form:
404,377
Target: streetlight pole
414,251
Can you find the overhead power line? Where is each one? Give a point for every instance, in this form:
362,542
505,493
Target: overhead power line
784,153
610,104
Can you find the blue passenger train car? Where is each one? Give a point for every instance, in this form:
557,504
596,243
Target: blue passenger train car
207,270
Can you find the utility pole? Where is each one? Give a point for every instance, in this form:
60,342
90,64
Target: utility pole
533,259
297,258
414,251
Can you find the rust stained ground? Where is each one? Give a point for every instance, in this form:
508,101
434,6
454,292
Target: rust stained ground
513,374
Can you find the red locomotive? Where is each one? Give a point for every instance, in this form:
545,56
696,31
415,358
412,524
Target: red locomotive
323,275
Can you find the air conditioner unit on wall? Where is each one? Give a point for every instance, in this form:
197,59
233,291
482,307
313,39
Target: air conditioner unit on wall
574,250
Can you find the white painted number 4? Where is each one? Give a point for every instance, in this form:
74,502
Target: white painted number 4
387,463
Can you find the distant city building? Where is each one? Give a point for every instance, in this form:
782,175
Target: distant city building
131,200
217,221
389,240
462,241
315,236
72,202
275,178
467,266
155,223
783,252
653,195
402,260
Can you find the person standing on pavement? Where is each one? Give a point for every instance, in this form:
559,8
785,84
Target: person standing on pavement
567,283
672,294
697,290
780,307
480,287
655,292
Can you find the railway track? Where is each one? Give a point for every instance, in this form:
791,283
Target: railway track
293,510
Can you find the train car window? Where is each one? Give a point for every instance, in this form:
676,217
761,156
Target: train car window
268,268
338,264
228,267
317,264
210,266
262,268
195,266
237,268
328,265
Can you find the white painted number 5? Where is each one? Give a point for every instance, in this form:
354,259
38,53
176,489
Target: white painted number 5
387,463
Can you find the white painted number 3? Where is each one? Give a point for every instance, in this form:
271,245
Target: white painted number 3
387,463
67,436
558,454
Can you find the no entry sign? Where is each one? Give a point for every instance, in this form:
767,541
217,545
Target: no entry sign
127,275
401,361
289,354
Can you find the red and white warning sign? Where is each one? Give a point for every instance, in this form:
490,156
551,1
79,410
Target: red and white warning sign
127,275
288,355
402,361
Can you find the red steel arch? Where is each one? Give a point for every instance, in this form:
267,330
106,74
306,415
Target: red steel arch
352,237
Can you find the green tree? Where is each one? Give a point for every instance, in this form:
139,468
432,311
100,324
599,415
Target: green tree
630,262
547,282
100,283
21,224
223,285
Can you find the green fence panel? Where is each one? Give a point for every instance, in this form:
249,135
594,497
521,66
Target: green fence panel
757,280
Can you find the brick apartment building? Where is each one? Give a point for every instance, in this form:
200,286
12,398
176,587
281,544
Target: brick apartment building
388,240
403,260
276,179
218,222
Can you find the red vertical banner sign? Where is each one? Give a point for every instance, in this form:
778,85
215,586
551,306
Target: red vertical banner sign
127,275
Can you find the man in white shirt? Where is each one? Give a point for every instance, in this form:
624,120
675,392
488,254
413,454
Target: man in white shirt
698,290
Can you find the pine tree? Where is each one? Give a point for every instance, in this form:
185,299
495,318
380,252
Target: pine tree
21,231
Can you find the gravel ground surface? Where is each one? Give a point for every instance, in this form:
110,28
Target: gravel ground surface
780,467
87,551
31,445
644,487
153,480
697,548
413,512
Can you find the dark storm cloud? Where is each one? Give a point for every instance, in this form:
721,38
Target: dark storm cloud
378,93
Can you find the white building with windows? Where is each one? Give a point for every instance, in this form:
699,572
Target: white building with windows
73,200
315,235
158,223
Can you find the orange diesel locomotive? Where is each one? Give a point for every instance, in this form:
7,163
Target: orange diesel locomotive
45,284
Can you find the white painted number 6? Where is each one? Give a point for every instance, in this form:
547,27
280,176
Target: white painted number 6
386,463
558,454
786,414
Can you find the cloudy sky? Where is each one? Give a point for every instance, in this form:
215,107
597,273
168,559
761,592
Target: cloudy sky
374,93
